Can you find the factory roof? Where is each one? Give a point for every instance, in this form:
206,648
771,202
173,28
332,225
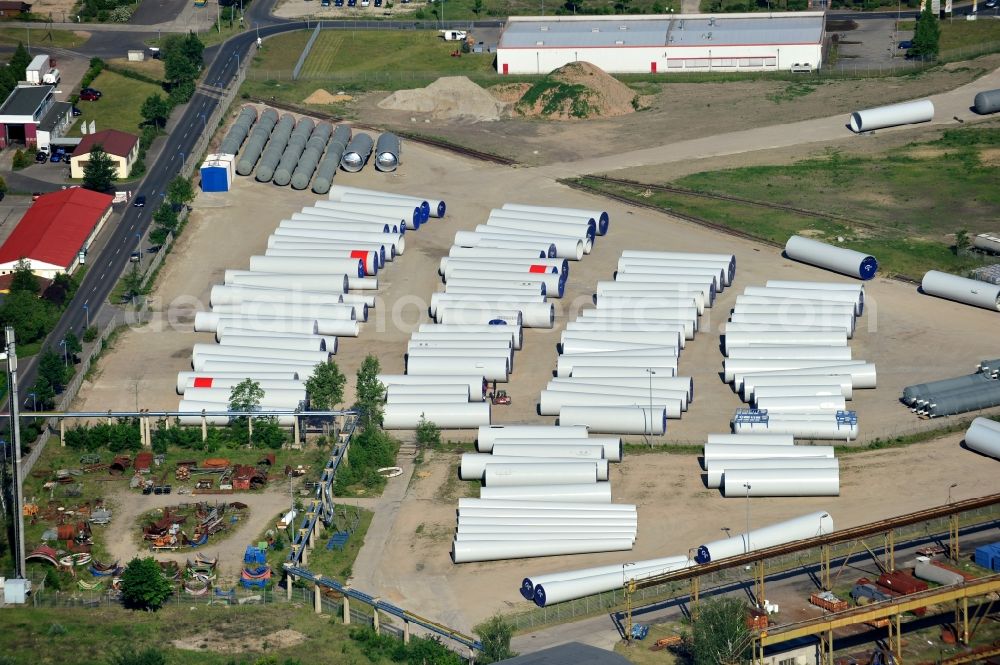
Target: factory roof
25,99
54,116
113,141
673,30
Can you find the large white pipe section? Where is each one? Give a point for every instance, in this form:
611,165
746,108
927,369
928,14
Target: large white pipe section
528,314
545,504
580,521
578,217
386,250
616,419
904,113
554,283
293,234
416,400
584,226
803,426
553,398
807,526
492,369
301,326
571,511
665,298
430,335
550,473
499,252
733,366
528,288
381,201
487,436
729,260
705,288
476,383
186,405
473,465
229,332
755,439
255,308
508,282
554,236
466,552
600,216
236,365
857,298
371,261
609,326
430,208
209,379
558,591
199,382
843,321
496,317
575,346
498,343
588,371
717,467
435,207
565,247
445,416
670,336
806,310
314,213
862,374
960,289
632,264
258,351
577,452
611,445
502,265
778,327
304,343
653,274
222,294
565,363
459,390
507,301
530,584
275,398
683,383
983,436
781,482
307,266
622,315
838,259
586,493
332,283
538,228
714,451
789,352
839,382
516,534
829,390
778,338
312,218
505,353
412,215
822,286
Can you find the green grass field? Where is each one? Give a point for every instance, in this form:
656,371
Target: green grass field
41,37
912,199
962,34
119,107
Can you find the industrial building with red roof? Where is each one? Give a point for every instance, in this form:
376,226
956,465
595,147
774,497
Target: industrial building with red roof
56,231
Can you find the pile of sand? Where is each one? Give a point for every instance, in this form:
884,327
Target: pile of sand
321,96
576,91
448,98
510,93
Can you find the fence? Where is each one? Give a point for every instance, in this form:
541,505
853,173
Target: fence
614,600
305,51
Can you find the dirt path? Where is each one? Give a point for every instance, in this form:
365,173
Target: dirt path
120,535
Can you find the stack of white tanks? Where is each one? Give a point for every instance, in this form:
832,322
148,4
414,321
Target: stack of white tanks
788,355
617,365
552,588
492,290
546,492
276,321
769,465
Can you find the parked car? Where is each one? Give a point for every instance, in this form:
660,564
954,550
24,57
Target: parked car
77,112
365,3
140,202
57,156
67,157
41,156
135,257
352,3
88,97
92,91
990,4
905,44
378,3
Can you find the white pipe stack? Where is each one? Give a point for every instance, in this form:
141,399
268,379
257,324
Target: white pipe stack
277,321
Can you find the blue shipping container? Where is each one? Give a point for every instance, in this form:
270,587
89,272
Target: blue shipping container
988,556
214,178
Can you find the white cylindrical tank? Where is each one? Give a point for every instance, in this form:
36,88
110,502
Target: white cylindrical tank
527,314
435,207
580,520
846,322
600,216
651,266
862,374
764,392
841,382
492,369
557,591
566,225
532,509
857,298
232,332
641,313
521,301
561,265
446,416
237,365
807,526
293,234
222,294
586,493
487,436
483,350
558,393
597,371
684,383
733,366
273,397
559,239
303,343
426,399
616,419
638,292
530,584
476,383
706,289
552,473
566,247
663,347
258,351
926,570
808,311
551,403
790,352
777,338
565,364
214,379
370,261
644,302
333,283
447,335
556,450
473,465
781,482
820,254
717,467
294,310
284,264
813,426
905,113
482,343
412,215
195,408
386,251
983,436
960,289
515,534
465,552
298,326
754,439
715,451
456,390
609,326
611,445
545,504
495,252
528,288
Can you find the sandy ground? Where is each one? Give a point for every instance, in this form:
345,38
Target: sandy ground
898,329
120,535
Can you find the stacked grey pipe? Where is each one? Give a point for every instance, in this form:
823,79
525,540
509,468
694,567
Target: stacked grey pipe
946,397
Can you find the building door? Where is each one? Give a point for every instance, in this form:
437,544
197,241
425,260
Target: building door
652,67
505,66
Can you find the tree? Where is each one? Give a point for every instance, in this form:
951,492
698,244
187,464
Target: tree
326,387
19,62
495,635
165,217
20,160
370,393
246,396
7,81
477,6
428,434
24,279
150,656
177,68
30,317
44,395
99,172
132,282
73,345
3,185
180,190
720,632
52,368
155,110
926,36
267,433
961,241
143,585
194,49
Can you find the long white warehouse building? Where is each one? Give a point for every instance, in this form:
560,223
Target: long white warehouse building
664,43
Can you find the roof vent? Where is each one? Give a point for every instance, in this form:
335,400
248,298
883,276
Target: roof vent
595,29
539,43
620,42
544,28
623,27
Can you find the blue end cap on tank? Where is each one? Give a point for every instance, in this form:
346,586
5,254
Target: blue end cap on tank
539,596
425,208
361,268
441,208
497,322
869,266
527,589
602,225
703,555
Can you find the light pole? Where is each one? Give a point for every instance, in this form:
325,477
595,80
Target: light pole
650,371
747,544
34,401
65,352
950,488
86,313
627,590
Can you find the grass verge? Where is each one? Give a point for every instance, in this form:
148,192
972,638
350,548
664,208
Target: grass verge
120,105
40,38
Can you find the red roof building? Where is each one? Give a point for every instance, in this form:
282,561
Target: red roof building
56,231
122,147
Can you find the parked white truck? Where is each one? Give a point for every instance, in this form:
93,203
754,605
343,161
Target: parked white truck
37,70
51,77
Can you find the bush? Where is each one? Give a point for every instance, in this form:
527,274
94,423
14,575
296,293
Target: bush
370,450
90,334
119,437
20,160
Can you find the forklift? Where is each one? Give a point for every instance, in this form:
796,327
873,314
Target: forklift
498,397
